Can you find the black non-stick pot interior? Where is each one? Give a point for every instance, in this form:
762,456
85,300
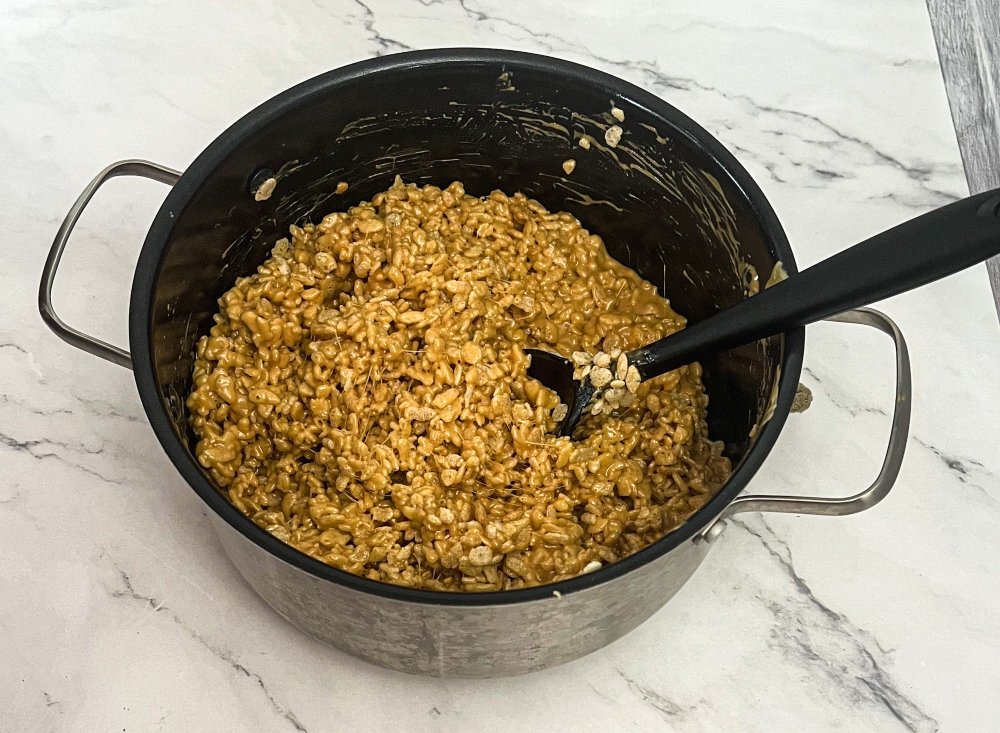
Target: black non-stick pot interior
663,202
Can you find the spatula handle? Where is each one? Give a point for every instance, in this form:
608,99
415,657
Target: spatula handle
916,252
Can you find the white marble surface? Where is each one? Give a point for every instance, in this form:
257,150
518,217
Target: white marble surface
118,611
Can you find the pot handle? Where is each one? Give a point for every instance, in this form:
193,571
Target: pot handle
67,333
890,466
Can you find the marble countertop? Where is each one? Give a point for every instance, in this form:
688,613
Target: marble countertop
119,611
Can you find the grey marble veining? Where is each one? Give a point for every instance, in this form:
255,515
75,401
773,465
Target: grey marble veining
968,41
121,612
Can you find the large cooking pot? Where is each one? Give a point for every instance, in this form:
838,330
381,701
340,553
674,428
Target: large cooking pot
669,201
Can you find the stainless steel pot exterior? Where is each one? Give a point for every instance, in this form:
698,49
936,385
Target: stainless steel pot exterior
456,115
457,640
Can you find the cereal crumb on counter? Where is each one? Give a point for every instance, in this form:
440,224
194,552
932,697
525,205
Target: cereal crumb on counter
618,114
613,135
803,398
569,166
584,142
341,187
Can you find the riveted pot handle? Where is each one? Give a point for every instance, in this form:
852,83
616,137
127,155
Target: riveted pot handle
890,466
67,333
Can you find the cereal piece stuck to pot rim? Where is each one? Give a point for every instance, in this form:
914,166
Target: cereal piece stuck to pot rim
264,191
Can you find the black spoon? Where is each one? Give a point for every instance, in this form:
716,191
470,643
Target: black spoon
914,253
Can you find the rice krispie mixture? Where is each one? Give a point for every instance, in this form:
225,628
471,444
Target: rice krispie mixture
364,396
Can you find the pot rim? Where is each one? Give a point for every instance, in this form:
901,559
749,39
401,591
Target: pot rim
148,266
